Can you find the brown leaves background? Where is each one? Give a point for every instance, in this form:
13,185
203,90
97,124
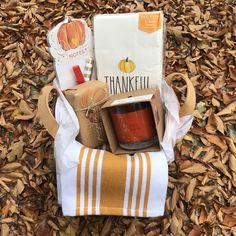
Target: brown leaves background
201,192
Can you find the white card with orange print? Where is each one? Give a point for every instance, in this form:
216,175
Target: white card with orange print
70,44
129,50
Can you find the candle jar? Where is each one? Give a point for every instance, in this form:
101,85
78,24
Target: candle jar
134,125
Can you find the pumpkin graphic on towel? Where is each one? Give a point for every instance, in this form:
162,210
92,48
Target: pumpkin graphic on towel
71,35
126,66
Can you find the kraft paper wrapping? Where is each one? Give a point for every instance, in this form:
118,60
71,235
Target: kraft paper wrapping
87,99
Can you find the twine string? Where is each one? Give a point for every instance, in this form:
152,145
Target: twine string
92,107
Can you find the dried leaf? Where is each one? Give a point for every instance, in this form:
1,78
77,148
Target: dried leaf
17,95
29,81
5,210
220,82
24,108
229,210
139,6
216,140
174,199
53,1
195,168
16,151
191,66
219,165
43,228
228,110
10,67
131,230
190,189
177,31
197,152
5,187
203,216
220,215
41,53
215,102
1,84
197,231
219,124
209,155
232,162
53,225
14,175
232,72
174,224
194,28
107,227
20,186
24,117
229,221
5,230
10,46
197,12
19,53
211,126
231,145
153,233
70,230
40,18
11,166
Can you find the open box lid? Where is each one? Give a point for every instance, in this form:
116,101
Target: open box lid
144,95
151,95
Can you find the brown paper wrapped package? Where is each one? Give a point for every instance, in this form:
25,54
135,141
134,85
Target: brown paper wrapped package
87,99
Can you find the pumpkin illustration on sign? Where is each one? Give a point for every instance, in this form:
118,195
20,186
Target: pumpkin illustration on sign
126,66
71,35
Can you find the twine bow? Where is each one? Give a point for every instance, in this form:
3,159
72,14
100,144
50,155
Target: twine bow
92,107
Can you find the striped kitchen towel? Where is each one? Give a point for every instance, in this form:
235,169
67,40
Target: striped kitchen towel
106,184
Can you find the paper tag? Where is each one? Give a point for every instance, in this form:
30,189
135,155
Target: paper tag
142,98
149,22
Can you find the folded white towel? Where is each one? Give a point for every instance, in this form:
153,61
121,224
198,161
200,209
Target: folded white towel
105,184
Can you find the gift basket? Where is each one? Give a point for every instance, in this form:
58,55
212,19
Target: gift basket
116,119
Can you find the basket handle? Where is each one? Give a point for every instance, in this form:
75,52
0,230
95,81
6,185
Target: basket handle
188,107
45,113
52,126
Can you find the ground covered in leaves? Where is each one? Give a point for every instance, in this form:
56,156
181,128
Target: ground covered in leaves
201,192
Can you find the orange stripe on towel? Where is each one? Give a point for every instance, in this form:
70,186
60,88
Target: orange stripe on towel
113,184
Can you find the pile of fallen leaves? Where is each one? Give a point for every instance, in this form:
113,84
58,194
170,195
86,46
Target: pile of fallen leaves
201,36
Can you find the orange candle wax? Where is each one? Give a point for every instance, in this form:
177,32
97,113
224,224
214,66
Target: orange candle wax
134,125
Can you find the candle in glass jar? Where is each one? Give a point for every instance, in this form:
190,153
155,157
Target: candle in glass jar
134,125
